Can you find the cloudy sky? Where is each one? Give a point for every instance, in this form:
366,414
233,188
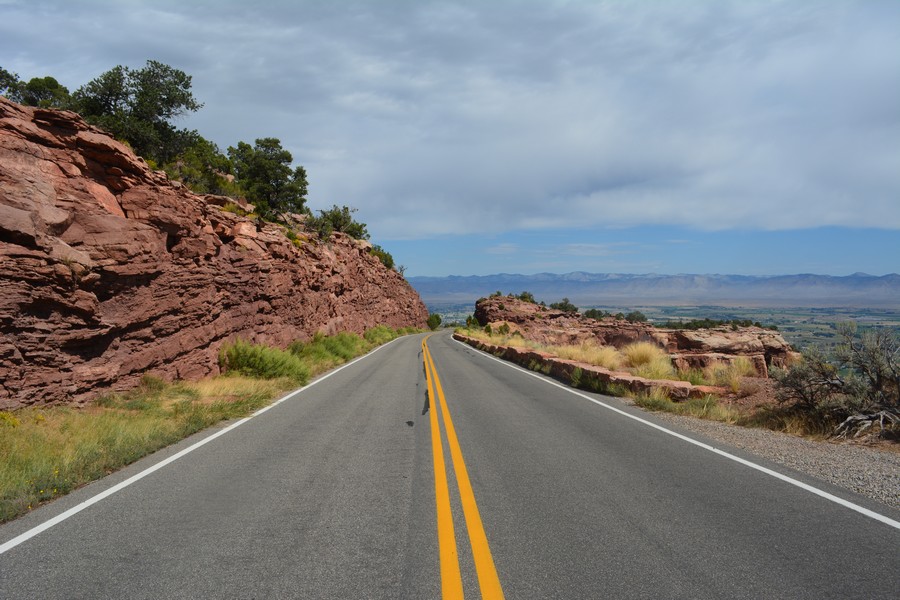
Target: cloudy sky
751,137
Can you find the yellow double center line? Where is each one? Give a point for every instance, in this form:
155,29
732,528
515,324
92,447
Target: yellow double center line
451,581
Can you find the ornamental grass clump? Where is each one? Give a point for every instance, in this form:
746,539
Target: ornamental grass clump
649,361
591,353
730,374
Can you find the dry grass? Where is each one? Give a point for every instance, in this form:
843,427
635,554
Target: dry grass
794,422
51,451
590,353
730,375
708,407
649,361
641,353
658,369
512,341
227,389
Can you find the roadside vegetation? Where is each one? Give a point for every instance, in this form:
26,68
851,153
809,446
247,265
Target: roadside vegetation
641,359
50,451
849,392
434,321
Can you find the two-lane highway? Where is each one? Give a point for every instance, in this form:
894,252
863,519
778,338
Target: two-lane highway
326,495
339,492
580,501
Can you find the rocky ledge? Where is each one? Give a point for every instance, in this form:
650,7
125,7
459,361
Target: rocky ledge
688,349
590,377
110,270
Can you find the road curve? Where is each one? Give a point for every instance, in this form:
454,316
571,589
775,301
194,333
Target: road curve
332,494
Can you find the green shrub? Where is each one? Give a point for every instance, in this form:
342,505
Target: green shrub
711,323
857,386
565,306
434,321
337,218
636,317
381,335
383,255
593,313
293,237
256,360
344,345
324,352
527,297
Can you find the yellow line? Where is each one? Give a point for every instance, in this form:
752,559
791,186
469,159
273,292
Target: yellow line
488,581
451,581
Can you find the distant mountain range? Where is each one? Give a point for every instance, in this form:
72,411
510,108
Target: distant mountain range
586,289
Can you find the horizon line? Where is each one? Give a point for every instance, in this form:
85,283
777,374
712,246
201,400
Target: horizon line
854,274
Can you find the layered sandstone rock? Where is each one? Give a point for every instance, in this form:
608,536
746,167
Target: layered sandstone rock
688,349
108,270
590,377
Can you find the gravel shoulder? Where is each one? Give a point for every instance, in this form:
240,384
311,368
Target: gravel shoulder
872,471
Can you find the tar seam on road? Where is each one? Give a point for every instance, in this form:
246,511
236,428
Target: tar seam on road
24,537
488,580
804,486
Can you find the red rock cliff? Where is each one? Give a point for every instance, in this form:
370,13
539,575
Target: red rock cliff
108,270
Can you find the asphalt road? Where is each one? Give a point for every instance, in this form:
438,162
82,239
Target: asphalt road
332,494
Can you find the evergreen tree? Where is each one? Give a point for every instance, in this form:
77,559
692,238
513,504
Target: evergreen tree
264,172
139,106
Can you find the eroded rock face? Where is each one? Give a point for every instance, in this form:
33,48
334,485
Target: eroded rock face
108,270
688,349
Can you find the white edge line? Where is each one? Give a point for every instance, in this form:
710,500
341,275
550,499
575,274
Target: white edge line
738,459
24,537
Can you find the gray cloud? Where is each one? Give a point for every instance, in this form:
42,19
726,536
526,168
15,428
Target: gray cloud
462,117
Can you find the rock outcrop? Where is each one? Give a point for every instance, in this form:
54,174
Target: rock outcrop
688,349
590,377
110,270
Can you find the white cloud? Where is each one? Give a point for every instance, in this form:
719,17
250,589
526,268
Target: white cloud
462,117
